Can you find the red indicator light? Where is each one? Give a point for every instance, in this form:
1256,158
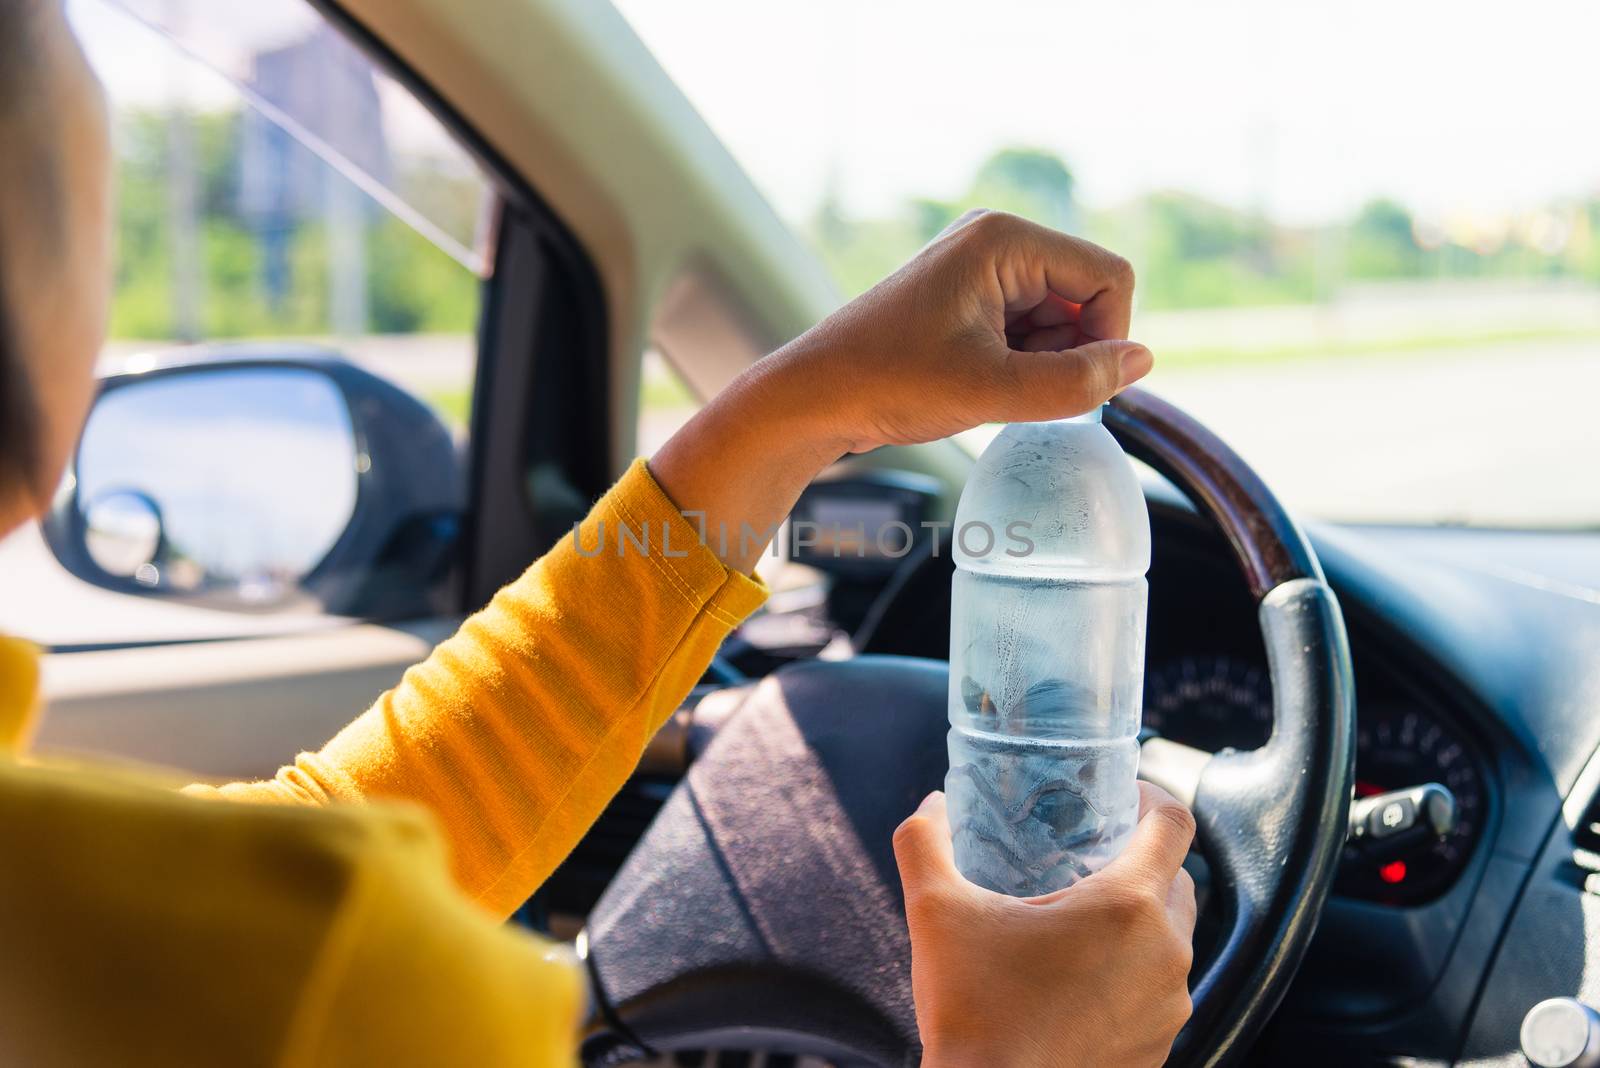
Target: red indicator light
1393,872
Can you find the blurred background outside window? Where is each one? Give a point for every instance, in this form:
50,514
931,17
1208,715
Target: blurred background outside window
1367,235
272,183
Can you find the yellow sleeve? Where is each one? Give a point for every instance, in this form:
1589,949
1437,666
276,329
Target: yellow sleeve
519,729
19,693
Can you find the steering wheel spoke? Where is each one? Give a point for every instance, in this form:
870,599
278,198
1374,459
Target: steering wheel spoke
1173,766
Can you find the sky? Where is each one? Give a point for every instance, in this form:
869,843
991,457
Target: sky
1302,109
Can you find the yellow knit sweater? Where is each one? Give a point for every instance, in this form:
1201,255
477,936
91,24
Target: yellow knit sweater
142,926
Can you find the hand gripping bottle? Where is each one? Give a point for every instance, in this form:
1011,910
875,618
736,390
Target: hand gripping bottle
1047,624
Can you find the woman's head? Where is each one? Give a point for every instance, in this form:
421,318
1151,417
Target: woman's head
55,240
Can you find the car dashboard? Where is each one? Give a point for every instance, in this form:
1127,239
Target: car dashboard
1207,685
1476,668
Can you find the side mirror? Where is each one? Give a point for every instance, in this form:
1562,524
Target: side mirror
256,483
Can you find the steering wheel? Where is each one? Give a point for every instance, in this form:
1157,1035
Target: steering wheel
762,909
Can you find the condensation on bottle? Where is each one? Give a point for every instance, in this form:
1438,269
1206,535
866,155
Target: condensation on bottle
1047,629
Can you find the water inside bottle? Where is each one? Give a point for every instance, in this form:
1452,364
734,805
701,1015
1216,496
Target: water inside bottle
1047,661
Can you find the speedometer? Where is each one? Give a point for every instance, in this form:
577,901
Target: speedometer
1215,701
1209,701
1399,746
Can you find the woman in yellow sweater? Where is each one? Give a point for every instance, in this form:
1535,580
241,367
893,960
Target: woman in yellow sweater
142,925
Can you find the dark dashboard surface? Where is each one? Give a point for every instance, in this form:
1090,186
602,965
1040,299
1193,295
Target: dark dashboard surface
1497,634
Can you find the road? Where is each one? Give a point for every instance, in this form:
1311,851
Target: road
1497,435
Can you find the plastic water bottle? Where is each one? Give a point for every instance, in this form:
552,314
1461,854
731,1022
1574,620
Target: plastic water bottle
1052,542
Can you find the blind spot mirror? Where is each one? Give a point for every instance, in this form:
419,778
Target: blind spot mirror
122,532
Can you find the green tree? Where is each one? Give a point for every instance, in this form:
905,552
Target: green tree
412,285
1031,182
1382,242
416,288
1193,253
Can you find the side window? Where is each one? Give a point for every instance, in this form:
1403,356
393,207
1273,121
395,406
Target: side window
288,374
665,402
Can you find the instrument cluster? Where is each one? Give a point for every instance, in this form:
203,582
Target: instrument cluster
1214,701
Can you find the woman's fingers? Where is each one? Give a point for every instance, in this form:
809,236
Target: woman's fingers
1035,266
1072,266
1154,856
1181,904
922,847
1050,338
1055,384
1054,311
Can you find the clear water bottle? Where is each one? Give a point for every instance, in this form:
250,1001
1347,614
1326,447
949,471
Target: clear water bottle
1052,542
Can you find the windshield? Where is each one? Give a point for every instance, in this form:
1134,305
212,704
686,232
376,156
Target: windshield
1367,234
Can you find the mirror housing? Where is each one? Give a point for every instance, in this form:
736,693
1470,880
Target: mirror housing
258,478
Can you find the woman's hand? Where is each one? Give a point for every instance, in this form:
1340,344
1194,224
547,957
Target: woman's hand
998,320
1093,974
